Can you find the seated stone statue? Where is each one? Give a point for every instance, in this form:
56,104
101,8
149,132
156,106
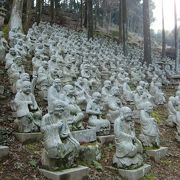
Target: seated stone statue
128,148
149,129
171,121
54,93
76,115
10,57
94,110
61,149
114,104
19,83
27,111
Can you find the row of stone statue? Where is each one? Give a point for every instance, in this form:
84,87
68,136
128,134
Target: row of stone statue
86,85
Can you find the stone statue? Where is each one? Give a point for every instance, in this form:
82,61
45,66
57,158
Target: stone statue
54,93
171,121
61,149
76,115
128,148
27,111
94,110
149,129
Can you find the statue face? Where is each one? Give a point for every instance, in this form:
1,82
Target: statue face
13,53
128,116
26,88
149,107
59,110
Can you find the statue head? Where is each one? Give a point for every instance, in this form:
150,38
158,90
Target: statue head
127,113
172,99
26,87
107,84
69,89
115,91
18,60
12,52
59,108
148,106
25,77
45,64
178,93
139,89
57,84
96,97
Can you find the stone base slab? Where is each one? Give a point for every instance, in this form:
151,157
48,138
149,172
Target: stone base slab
135,174
28,137
157,154
4,151
105,139
78,173
90,152
84,136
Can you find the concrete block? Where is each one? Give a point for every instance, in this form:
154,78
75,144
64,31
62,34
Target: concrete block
4,151
106,139
135,174
78,173
85,136
157,154
28,137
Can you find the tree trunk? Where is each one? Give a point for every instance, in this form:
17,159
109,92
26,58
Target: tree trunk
124,19
120,21
16,15
90,19
39,4
146,32
81,14
85,13
176,39
28,14
163,33
52,11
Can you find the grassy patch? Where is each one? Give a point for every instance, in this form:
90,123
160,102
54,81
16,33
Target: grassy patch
5,30
150,177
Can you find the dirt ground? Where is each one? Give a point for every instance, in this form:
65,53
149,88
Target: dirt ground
24,160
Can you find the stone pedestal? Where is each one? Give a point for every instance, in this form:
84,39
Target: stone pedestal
134,174
78,173
84,136
105,139
90,152
4,151
28,137
157,154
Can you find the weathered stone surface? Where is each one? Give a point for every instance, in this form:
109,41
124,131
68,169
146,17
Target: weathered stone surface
78,173
177,137
4,151
157,154
90,152
28,137
134,174
106,139
85,136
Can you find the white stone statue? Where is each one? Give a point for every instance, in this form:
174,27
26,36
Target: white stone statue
61,149
75,120
149,129
128,148
94,110
27,111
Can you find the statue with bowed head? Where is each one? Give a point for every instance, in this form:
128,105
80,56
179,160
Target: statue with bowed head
60,148
128,148
27,111
149,129
94,109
